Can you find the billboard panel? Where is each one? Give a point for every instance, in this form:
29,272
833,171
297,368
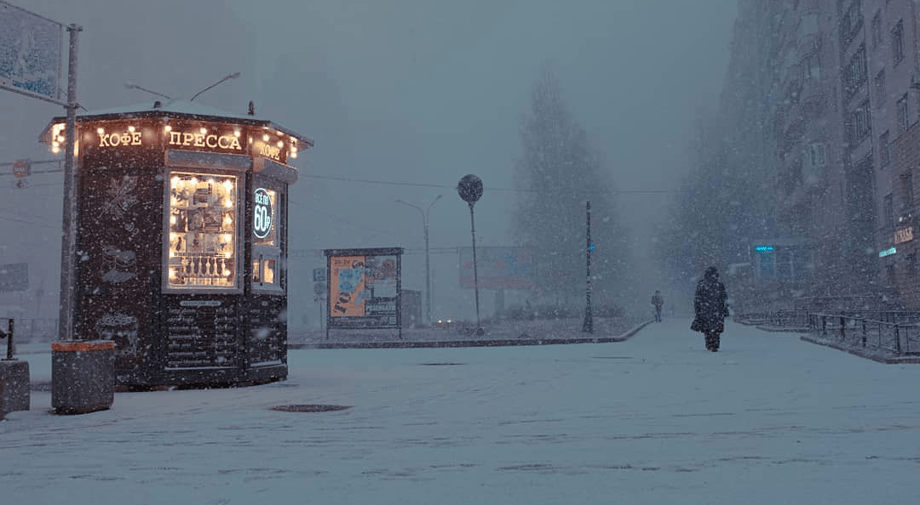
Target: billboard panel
497,267
363,288
30,53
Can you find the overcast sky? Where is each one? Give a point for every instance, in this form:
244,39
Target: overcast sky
414,93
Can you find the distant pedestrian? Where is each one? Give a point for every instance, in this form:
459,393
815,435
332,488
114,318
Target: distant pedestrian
658,302
711,309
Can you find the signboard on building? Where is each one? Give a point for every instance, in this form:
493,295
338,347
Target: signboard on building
497,267
902,235
14,277
364,287
30,53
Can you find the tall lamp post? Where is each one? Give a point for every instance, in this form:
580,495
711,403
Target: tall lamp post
470,190
427,255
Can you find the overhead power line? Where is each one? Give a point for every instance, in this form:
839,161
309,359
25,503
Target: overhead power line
444,186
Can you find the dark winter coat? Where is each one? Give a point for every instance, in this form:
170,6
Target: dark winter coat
709,303
657,301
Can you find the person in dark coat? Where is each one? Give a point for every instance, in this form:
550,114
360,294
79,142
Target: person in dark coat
711,309
657,301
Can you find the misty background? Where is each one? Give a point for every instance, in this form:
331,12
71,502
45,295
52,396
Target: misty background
403,98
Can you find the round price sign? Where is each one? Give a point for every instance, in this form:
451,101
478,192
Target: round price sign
262,213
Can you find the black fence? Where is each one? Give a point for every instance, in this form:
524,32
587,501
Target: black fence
894,331
34,330
778,318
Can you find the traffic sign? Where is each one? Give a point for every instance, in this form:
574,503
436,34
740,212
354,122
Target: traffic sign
319,289
319,275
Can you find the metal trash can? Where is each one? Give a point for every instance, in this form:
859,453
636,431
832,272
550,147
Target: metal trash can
82,376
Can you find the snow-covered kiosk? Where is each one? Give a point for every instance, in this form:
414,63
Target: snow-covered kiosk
182,241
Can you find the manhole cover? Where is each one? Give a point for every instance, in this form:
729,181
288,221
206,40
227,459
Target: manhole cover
310,408
441,364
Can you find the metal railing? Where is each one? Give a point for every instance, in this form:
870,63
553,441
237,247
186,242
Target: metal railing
8,335
895,331
35,330
899,334
779,318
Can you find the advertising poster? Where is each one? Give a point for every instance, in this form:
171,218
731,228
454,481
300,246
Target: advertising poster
349,290
364,288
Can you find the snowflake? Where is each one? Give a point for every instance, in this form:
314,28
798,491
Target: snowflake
121,196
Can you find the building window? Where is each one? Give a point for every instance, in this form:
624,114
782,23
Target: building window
851,22
859,124
903,117
818,155
856,71
897,43
811,67
889,273
884,150
880,87
889,211
907,190
877,29
912,264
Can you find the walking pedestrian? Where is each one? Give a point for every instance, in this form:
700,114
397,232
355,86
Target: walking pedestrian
658,302
711,309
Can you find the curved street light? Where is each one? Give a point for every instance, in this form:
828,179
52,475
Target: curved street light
234,75
427,256
131,85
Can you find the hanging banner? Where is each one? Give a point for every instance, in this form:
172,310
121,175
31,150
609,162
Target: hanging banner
30,53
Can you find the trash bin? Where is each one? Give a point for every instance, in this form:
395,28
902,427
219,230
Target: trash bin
14,375
82,376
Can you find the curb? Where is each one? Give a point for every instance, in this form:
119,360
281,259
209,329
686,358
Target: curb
877,359
503,342
45,386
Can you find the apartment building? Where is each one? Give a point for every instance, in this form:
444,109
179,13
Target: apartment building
810,152
893,54
839,113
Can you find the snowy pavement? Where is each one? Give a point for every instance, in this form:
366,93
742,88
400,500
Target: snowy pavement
655,419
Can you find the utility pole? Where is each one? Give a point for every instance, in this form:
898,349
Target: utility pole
427,254
70,218
588,326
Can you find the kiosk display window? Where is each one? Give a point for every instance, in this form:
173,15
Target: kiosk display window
266,237
203,231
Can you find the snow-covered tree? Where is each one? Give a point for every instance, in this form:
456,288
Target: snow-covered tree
560,173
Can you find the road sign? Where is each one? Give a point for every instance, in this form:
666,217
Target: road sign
470,188
319,290
319,275
22,168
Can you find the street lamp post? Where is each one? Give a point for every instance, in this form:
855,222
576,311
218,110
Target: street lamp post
427,254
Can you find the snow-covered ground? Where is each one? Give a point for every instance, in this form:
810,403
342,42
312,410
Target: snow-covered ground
655,419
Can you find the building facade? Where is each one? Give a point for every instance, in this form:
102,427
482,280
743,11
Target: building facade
839,84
